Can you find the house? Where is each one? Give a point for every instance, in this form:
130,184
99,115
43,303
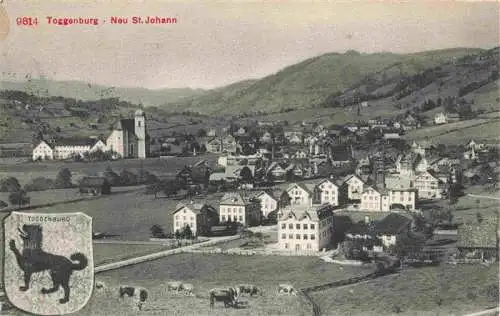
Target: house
300,154
199,217
428,186
268,203
392,136
329,192
239,172
241,131
341,156
267,138
391,228
228,144
374,199
235,207
408,164
302,194
295,170
94,186
440,118
276,172
43,151
404,198
305,228
478,241
354,186
129,137
212,132
214,145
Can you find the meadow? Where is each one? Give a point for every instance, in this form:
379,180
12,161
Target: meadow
443,290
209,271
163,167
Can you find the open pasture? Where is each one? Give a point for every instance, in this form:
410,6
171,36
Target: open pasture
208,271
442,290
25,171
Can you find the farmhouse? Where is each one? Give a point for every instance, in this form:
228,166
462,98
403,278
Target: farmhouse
306,228
329,192
428,185
129,137
391,228
199,217
236,208
478,241
354,186
301,194
94,186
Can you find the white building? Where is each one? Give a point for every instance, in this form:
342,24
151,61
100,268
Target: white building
305,228
329,192
67,149
354,187
129,137
380,200
199,218
440,118
428,186
268,203
236,208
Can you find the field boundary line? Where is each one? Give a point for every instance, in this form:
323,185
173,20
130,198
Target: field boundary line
483,196
485,312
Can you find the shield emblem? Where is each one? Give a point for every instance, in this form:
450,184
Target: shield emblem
48,266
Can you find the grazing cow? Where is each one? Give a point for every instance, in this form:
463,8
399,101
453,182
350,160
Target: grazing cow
229,296
100,285
187,288
249,289
138,293
286,289
174,285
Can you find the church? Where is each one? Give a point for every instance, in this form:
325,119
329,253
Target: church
129,137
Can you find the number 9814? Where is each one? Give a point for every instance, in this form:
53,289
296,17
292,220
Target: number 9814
27,21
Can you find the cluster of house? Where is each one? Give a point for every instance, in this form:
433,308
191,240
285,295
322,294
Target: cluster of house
445,118
128,139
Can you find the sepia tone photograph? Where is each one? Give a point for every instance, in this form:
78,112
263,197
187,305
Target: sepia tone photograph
242,158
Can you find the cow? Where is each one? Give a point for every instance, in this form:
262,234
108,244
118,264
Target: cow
286,289
100,285
229,296
187,288
139,294
249,289
174,285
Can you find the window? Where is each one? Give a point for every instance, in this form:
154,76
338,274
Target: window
290,236
286,246
312,226
304,226
283,236
290,226
313,237
304,237
283,226
297,236
192,218
308,246
223,218
241,218
297,226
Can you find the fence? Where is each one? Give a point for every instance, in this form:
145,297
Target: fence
252,252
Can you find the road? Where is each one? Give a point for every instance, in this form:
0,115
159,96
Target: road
493,311
484,197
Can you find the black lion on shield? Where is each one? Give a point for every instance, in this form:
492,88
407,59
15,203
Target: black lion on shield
33,259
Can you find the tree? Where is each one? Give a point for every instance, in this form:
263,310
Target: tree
40,184
201,133
157,231
285,200
170,187
127,178
112,177
19,198
10,184
187,233
246,175
63,179
177,234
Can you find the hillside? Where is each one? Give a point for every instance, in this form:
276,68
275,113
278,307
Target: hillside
309,83
84,91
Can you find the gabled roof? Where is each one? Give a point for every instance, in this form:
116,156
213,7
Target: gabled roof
303,186
196,208
259,194
77,142
478,235
234,198
299,212
92,182
392,224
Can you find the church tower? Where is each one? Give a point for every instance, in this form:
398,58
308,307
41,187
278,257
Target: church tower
140,132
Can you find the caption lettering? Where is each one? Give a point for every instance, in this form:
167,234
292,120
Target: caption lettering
116,20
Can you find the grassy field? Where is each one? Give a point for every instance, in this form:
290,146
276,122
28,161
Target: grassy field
443,290
106,253
25,171
128,215
458,132
209,271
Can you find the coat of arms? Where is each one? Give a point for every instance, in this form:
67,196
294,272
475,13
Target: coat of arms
48,264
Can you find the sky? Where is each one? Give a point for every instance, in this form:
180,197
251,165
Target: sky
215,43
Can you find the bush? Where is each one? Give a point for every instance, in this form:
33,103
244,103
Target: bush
19,198
127,178
63,179
157,232
112,177
40,184
10,184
